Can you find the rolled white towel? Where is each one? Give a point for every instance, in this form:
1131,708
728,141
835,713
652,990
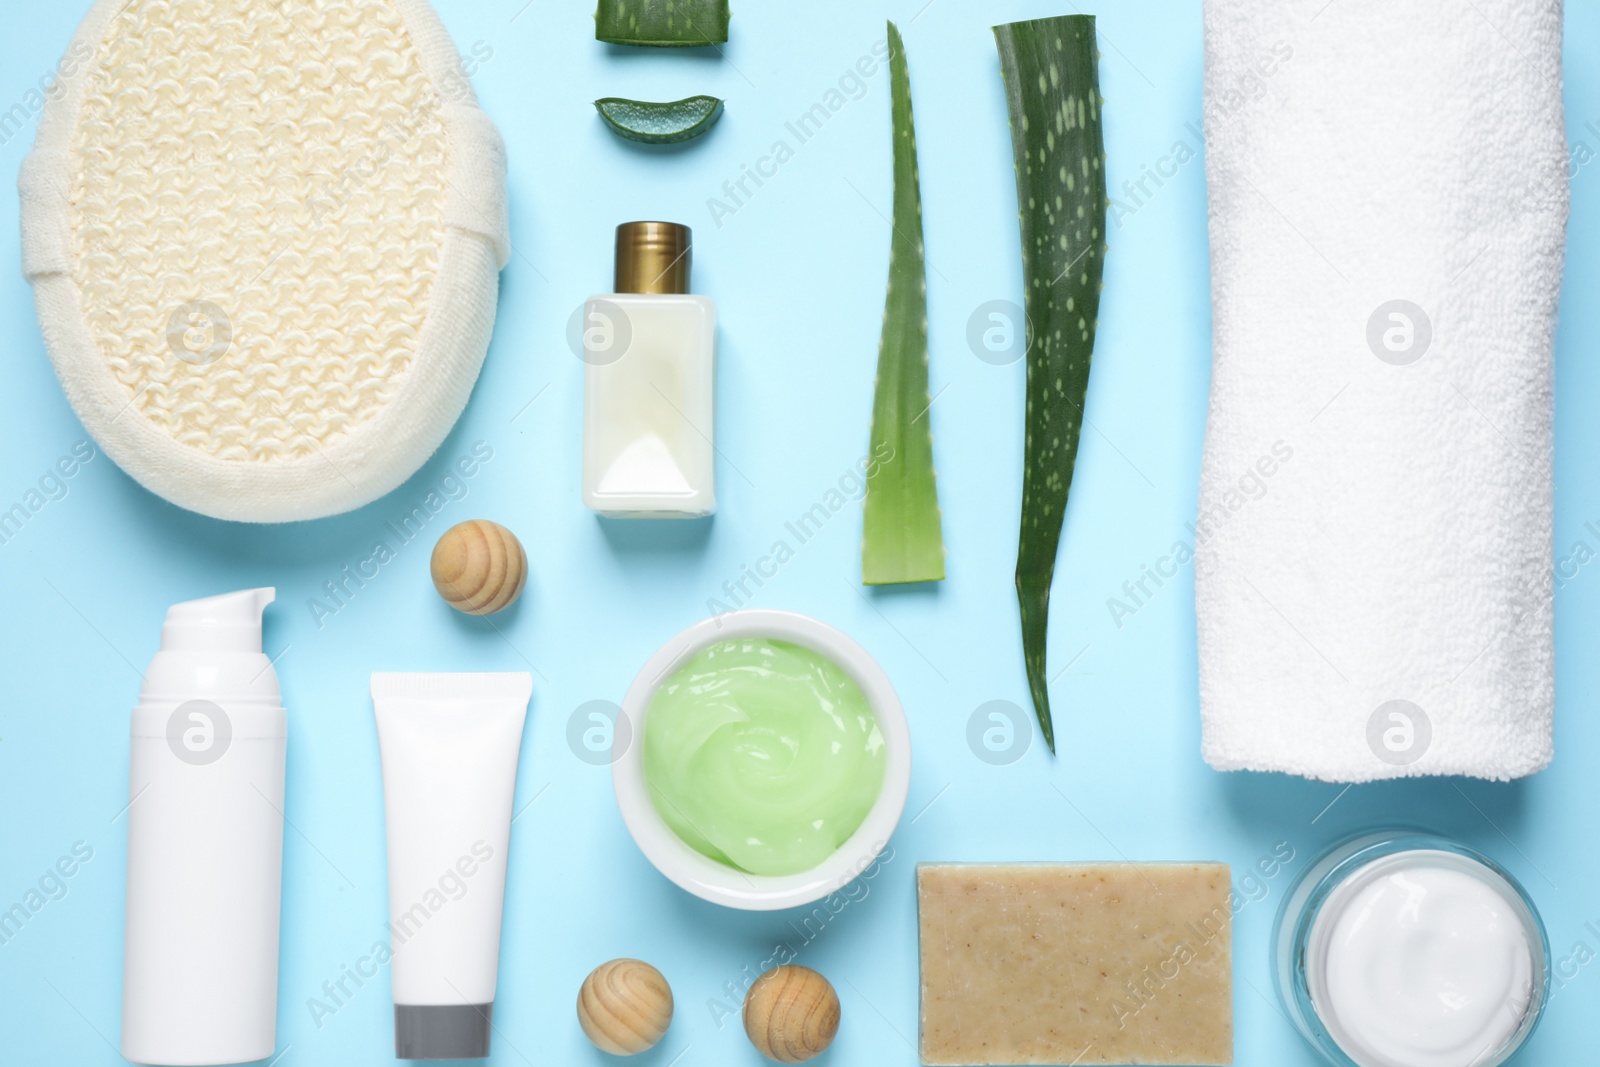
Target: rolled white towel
1388,200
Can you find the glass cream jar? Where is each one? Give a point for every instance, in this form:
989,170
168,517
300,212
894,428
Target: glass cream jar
1403,949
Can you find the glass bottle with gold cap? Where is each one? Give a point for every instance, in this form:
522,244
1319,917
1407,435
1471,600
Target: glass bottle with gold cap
649,383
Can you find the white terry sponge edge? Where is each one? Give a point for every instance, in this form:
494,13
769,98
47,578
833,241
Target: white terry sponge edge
264,241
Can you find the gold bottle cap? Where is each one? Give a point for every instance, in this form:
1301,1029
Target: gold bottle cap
653,257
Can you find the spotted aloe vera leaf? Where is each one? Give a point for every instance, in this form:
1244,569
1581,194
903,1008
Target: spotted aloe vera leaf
662,23
1053,94
901,537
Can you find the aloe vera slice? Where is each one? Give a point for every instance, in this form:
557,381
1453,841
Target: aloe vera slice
660,123
901,539
1053,93
662,23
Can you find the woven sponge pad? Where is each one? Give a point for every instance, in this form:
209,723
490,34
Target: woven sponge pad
265,241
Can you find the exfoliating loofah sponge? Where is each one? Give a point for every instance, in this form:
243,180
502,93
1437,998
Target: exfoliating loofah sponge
265,241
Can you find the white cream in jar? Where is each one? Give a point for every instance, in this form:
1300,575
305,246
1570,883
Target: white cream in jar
1421,958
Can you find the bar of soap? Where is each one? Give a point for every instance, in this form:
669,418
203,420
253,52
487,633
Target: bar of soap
1076,963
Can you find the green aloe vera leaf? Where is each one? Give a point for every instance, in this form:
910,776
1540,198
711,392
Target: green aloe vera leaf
1053,94
901,538
662,23
660,123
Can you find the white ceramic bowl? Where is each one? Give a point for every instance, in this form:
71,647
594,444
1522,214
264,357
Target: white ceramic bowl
717,882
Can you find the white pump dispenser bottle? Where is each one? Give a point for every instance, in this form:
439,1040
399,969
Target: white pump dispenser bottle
205,841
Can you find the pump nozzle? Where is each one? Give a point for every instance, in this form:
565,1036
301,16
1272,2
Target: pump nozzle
227,623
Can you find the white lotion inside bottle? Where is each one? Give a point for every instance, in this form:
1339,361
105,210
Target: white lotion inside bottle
649,383
449,745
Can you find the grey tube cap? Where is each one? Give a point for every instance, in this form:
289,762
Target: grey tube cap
442,1031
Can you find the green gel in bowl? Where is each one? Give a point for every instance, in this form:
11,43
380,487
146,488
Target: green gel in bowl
762,755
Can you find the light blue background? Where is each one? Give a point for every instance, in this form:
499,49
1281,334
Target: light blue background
799,275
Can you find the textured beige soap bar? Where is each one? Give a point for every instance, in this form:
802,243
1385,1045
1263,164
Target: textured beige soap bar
1076,963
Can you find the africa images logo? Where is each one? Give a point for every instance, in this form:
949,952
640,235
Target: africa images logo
199,732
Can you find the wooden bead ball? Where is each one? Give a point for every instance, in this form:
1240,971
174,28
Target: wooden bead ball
624,1007
791,1014
479,567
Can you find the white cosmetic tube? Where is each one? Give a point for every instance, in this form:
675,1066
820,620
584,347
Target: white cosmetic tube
449,744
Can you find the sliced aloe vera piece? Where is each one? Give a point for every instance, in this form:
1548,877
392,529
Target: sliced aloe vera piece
662,23
901,538
1053,92
660,123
